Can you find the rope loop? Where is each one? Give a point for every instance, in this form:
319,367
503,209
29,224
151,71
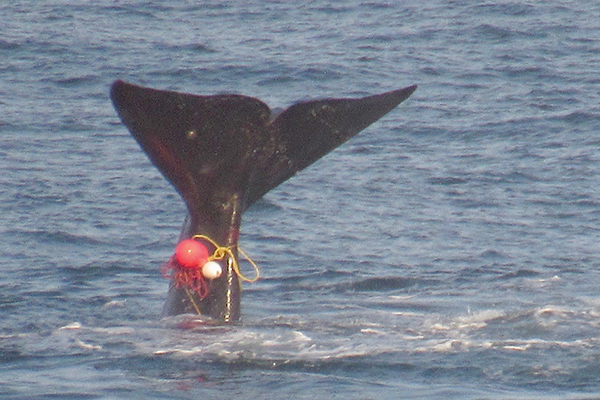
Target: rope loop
221,252
192,279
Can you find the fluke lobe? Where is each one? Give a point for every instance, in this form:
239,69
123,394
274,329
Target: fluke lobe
224,152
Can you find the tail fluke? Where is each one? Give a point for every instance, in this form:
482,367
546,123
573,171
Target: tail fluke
223,152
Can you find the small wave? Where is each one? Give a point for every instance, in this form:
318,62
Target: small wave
491,254
57,236
579,117
30,198
447,181
265,205
278,80
521,273
193,47
493,32
515,9
6,45
77,80
320,74
379,284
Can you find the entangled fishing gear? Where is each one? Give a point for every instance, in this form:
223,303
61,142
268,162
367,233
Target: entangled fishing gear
191,267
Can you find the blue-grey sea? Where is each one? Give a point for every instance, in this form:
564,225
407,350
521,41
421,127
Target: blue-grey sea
451,250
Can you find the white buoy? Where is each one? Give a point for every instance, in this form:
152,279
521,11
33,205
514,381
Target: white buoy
212,270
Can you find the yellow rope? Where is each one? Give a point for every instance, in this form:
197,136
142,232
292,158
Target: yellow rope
191,298
221,252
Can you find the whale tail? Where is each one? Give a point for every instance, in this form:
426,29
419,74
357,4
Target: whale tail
224,152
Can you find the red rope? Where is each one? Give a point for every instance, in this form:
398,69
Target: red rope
185,277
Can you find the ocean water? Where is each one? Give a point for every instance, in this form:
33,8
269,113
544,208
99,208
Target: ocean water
451,249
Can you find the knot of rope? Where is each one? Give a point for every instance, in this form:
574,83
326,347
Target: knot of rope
221,252
191,277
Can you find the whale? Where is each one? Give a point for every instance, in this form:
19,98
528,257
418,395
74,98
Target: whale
224,152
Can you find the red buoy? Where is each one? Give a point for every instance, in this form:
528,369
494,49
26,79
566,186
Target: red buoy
191,254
